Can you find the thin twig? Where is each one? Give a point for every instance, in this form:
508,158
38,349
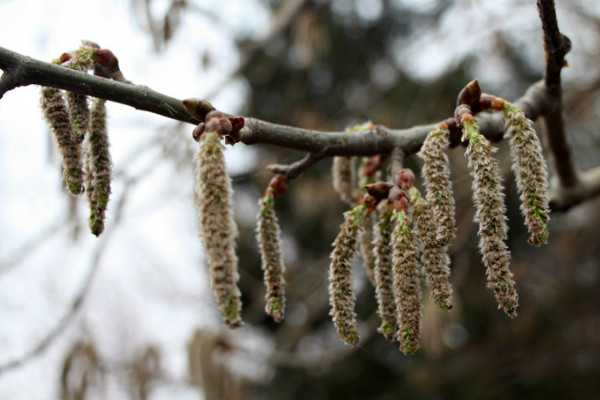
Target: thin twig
47,74
396,161
293,170
284,16
30,246
66,319
76,304
557,46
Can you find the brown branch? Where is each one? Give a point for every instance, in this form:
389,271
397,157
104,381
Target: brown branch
587,187
539,100
292,171
557,46
31,71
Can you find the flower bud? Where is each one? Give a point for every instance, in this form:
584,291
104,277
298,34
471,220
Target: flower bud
404,178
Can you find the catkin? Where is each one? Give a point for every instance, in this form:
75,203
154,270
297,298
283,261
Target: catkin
80,115
83,60
436,173
98,168
529,167
366,236
341,295
407,284
55,112
434,256
384,275
268,236
217,227
490,214
344,178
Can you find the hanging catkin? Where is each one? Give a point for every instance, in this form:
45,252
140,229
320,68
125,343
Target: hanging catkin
217,227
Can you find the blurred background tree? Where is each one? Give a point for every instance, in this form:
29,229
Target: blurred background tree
327,65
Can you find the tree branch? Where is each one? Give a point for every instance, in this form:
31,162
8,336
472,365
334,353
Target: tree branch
557,46
539,100
32,71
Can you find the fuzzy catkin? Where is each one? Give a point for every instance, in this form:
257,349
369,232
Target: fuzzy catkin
80,115
217,227
341,295
490,214
531,173
366,236
407,284
344,178
268,236
434,256
384,275
436,172
98,166
55,112
78,103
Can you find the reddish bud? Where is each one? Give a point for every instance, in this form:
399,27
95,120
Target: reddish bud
107,61
379,190
373,165
197,108
64,57
455,132
398,198
236,123
404,178
231,140
489,102
470,95
198,131
369,201
463,113
278,185
217,121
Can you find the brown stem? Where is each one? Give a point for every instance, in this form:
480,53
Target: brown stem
539,100
293,170
32,71
557,46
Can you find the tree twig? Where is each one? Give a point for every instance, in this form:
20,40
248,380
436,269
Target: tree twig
557,46
65,320
292,171
77,302
32,71
539,100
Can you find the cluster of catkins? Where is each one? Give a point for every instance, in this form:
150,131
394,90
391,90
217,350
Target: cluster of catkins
412,233
81,132
404,237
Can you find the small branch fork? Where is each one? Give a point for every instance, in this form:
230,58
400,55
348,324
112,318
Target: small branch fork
542,99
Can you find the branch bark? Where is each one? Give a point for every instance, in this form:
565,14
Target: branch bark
556,46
